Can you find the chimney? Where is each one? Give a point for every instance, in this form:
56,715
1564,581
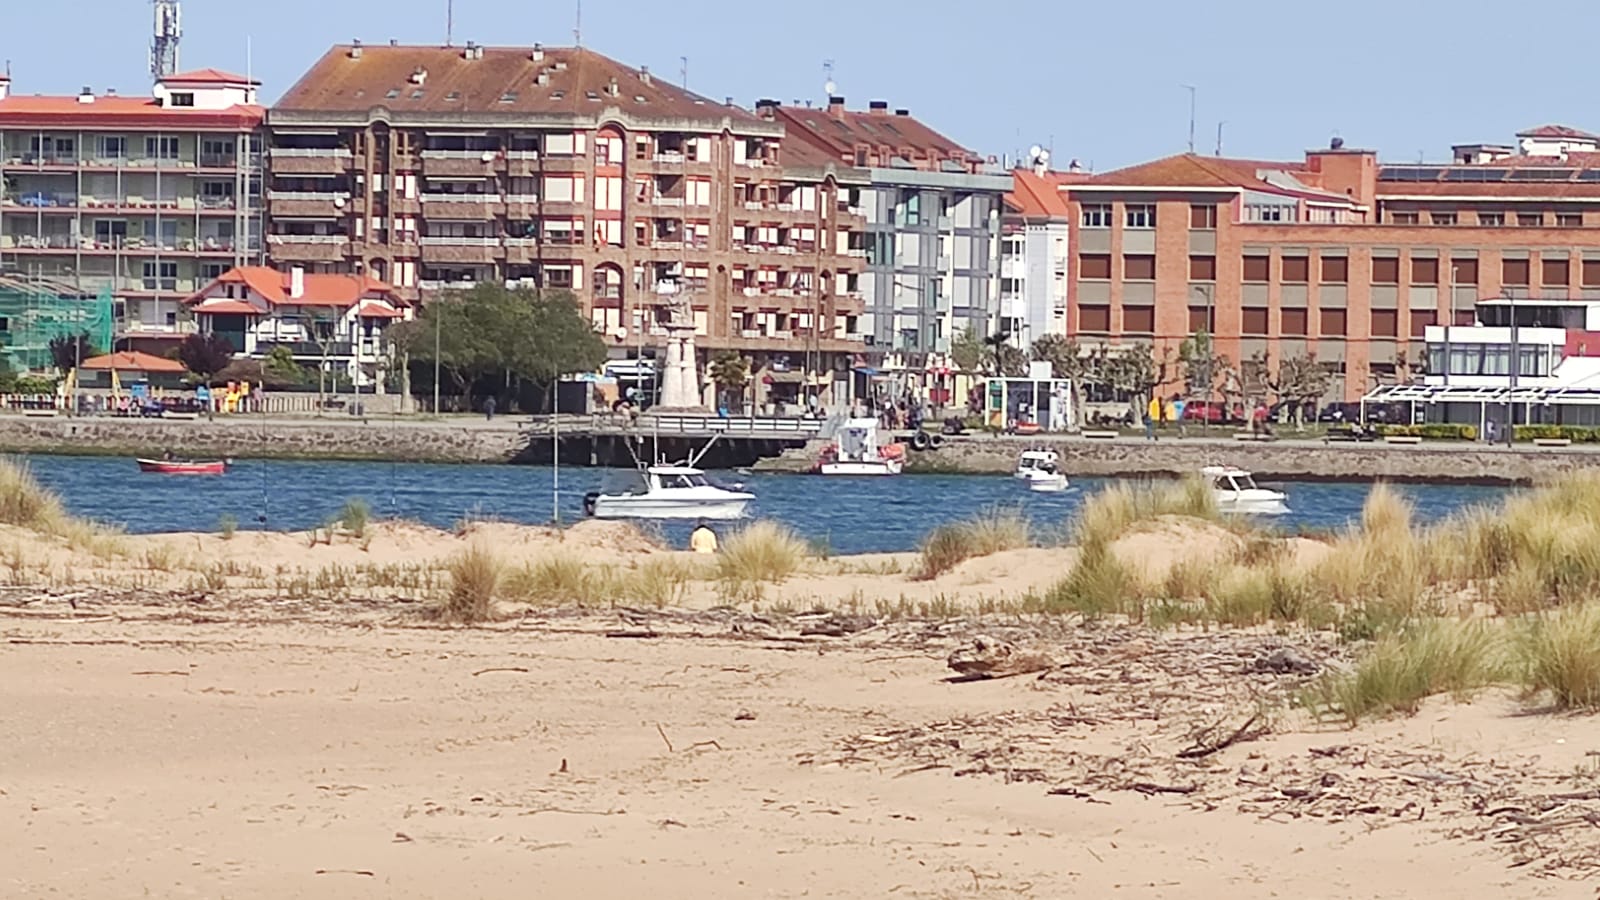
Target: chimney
470,51
728,101
878,107
86,95
5,85
902,112
111,92
297,283
393,42
1074,166
544,78
644,74
538,53
766,109
836,107
355,49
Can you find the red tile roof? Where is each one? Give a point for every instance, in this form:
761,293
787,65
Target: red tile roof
225,306
839,132
1188,170
209,76
1553,190
504,82
1557,132
132,361
18,110
320,289
1036,196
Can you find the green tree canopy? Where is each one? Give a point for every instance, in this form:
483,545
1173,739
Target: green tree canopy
533,335
205,354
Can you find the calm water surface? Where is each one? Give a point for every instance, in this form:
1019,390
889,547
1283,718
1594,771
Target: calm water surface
850,515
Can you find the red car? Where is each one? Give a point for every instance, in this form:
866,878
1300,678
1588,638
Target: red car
1209,411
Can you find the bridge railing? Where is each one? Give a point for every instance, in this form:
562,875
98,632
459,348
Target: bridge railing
676,424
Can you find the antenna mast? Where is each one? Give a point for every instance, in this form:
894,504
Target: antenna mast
449,22
684,71
577,26
165,34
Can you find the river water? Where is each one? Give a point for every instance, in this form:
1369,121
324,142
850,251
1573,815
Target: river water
849,515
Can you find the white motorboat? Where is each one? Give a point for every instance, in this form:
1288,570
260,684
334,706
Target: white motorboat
1237,492
1041,469
856,451
668,492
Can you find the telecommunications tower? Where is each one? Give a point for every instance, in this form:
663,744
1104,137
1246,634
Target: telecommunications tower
164,39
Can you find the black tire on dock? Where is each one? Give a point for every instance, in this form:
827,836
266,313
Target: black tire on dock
920,441
936,441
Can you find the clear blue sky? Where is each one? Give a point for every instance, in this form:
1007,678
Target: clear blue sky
1100,80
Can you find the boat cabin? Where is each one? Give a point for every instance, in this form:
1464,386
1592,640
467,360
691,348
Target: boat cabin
1230,479
1043,460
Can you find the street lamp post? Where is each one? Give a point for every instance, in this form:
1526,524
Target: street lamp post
438,320
1516,364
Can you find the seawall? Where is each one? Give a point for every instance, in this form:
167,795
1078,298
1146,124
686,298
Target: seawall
1298,460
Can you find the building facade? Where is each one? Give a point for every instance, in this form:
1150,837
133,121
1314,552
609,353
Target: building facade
1035,237
1335,257
932,243
437,168
146,198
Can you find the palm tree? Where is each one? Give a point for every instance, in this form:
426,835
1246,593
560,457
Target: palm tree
730,372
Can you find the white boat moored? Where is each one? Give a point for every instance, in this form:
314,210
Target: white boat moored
856,451
669,492
1041,469
1237,492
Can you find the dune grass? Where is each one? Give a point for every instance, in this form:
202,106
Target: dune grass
762,551
1438,656
1560,654
476,574
1113,511
25,503
355,516
559,579
993,530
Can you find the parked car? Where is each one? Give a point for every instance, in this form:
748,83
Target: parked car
1211,412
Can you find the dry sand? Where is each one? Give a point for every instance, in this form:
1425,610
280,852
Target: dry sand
166,741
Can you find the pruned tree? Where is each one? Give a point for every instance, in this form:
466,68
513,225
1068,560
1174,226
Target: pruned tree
1203,368
1301,380
1132,369
205,354
1067,360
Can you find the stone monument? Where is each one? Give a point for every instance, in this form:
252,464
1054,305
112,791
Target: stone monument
680,380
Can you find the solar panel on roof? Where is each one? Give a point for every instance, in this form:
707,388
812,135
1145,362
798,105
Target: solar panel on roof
1542,174
1589,175
1475,173
1409,173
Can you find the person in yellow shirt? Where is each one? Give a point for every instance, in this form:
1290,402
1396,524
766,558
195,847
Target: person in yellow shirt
703,539
1152,417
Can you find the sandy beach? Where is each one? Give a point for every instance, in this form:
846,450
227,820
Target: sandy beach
174,731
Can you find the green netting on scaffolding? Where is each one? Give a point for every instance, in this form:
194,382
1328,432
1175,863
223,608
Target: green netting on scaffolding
32,315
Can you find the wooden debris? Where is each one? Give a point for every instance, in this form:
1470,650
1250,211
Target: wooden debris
988,657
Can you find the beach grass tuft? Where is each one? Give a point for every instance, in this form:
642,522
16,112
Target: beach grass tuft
1560,654
993,530
475,577
759,552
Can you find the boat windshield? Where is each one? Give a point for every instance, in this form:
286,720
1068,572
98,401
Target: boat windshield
684,481
623,482
1027,462
1245,481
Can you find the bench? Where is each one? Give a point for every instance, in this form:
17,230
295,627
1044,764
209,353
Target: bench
40,413
1402,439
1252,436
1100,435
1552,442
188,416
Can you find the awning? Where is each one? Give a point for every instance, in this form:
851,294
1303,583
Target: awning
376,311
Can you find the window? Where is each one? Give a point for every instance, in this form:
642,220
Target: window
213,271
1294,321
113,147
1442,217
1094,265
912,209
160,276
1202,217
1569,220
1386,270
1530,220
559,145
1403,218
1296,270
1591,273
1136,215
1202,318
1139,319
1203,268
1421,319
1257,268
1464,271
1491,219
1424,271
1139,268
1514,271
161,147
1555,272
1335,269
1255,320
1333,321
1094,318
1268,212
181,98
1096,215
1385,323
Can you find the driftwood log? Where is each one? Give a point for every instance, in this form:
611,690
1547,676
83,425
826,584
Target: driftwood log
987,657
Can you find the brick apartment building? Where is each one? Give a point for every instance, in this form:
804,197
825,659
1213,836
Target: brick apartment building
439,167
144,197
1334,256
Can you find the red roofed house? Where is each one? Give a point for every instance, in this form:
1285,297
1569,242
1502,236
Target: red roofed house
338,318
147,196
131,366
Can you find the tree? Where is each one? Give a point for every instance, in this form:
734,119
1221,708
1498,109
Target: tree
205,354
281,363
1133,370
967,350
1301,380
67,351
729,372
1066,361
1203,368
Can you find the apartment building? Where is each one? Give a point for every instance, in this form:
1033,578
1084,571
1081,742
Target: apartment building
434,168
932,242
1335,256
1035,235
145,197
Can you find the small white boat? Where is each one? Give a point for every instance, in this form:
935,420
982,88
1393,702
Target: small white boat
669,492
1041,469
856,451
1237,492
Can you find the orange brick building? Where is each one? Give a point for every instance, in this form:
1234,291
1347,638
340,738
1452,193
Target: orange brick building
1336,256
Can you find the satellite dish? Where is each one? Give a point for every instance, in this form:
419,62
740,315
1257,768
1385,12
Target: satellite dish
830,88
1034,151
619,332
1044,156
488,156
338,202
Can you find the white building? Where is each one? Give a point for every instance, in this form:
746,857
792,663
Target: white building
1033,257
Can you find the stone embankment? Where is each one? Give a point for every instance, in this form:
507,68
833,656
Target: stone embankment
459,441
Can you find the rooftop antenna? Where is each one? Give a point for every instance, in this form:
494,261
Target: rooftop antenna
577,25
1191,89
167,30
683,70
449,22
1219,137
828,87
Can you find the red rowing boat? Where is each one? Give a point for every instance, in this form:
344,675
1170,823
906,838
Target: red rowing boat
183,466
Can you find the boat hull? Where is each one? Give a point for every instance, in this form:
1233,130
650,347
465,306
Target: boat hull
174,467
862,467
1048,485
1252,503
645,507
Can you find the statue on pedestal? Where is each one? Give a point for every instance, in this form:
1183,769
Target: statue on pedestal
680,381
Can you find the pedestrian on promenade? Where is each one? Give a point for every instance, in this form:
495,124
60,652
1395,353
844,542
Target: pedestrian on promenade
1152,417
488,408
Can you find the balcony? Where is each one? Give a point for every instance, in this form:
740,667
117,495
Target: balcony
310,160
43,160
462,206
481,250
469,163
308,204
219,161
308,247
307,349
